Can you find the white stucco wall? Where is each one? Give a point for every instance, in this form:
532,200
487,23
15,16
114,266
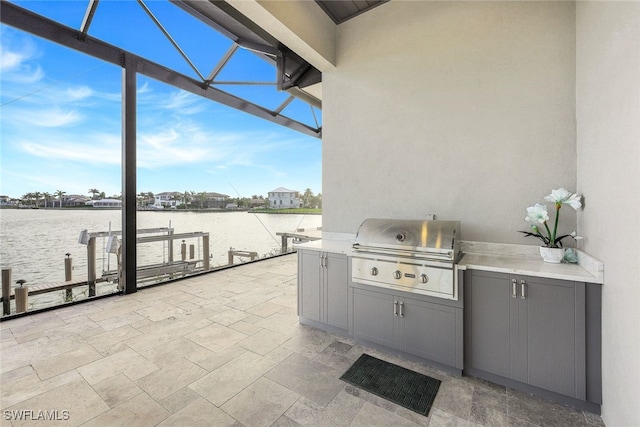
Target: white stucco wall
608,134
461,109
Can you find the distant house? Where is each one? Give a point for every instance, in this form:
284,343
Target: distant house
258,203
282,198
105,203
168,200
74,200
6,201
216,200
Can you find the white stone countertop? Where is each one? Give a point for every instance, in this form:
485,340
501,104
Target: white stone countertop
497,257
331,242
527,266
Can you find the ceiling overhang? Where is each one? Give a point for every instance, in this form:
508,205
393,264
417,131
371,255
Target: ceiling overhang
343,10
291,76
294,74
250,25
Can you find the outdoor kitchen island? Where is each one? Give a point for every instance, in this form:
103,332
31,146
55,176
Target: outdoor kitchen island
517,321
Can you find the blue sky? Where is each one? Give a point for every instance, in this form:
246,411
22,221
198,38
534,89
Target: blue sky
61,112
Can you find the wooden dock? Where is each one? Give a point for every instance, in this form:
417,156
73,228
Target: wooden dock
51,287
21,301
301,235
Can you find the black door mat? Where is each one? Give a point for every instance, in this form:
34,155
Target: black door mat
407,388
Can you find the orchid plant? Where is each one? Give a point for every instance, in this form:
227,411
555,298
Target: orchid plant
537,215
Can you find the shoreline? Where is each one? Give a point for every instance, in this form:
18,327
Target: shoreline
293,211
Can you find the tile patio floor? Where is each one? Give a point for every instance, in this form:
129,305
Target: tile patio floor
223,349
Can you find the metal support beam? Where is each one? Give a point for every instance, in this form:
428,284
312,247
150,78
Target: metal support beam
227,56
243,83
20,18
129,255
284,104
171,39
88,17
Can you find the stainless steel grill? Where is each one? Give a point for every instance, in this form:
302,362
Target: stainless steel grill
418,256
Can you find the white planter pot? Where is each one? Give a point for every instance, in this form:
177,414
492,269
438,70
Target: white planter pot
552,255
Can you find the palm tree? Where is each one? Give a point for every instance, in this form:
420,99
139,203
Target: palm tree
103,195
93,192
60,193
37,195
47,197
308,194
26,198
202,197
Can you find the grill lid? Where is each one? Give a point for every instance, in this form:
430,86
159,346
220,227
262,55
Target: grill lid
409,237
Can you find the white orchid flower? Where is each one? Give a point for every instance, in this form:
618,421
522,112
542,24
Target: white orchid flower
537,214
574,201
562,196
558,196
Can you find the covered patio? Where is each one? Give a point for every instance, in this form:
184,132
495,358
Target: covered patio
223,348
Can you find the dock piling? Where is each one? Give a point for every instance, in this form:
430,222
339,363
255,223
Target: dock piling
205,252
68,276
91,266
22,296
6,291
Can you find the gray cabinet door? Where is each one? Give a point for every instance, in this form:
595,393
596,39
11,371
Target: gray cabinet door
527,329
337,282
373,318
487,323
309,281
551,354
430,331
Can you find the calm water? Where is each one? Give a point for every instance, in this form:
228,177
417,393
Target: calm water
33,243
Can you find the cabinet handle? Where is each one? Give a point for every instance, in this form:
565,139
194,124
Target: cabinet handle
401,309
514,291
522,289
325,261
395,308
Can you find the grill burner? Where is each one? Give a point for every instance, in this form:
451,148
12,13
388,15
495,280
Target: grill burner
411,255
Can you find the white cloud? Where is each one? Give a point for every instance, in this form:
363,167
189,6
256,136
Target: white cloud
144,89
9,60
16,57
24,75
78,93
93,149
174,146
49,118
183,102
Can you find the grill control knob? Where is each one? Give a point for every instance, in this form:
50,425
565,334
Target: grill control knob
373,271
397,274
424,278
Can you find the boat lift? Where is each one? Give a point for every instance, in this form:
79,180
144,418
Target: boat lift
168,268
